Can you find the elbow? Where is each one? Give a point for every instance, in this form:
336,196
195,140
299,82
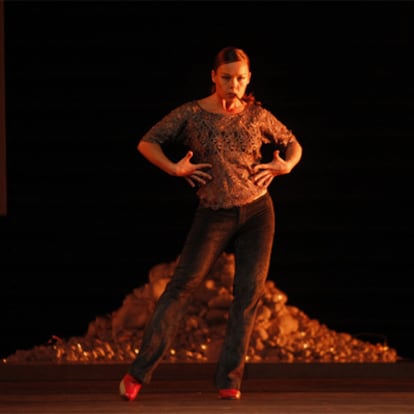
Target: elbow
140,146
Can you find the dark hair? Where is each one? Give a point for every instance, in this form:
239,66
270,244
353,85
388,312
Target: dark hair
230,54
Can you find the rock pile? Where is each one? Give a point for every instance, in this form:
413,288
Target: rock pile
282,333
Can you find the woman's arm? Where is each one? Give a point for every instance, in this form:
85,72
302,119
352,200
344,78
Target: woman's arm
193,173
264,173
153,152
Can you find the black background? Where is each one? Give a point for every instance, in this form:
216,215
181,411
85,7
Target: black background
88,216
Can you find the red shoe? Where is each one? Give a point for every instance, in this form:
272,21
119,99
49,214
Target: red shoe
229,394
129,387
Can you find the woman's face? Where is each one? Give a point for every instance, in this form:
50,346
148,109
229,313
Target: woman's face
231,80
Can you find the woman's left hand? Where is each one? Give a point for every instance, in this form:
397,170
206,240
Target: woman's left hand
264,173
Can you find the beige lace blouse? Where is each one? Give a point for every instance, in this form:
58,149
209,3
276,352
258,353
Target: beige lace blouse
232,143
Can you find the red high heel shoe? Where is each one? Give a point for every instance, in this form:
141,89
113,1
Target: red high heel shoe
229,394
129,388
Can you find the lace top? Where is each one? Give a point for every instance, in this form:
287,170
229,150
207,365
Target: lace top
230,142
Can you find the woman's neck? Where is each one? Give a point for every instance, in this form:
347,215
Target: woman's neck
232,106
216,104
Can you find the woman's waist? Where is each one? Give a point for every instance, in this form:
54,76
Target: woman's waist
228,198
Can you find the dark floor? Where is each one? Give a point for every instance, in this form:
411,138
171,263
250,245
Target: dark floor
187,388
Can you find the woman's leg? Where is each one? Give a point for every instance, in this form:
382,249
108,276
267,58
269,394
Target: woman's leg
253,248
207,238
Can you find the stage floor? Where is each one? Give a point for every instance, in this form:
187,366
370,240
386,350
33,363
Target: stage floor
188,388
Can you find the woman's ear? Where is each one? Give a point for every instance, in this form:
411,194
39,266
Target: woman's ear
213,76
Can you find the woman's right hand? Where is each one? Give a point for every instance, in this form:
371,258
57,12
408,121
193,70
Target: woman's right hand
194,174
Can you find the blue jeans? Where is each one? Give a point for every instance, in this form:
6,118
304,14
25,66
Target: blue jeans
251,230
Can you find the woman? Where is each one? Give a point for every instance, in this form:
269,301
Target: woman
225,133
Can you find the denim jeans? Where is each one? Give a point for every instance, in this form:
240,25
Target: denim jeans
250,229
